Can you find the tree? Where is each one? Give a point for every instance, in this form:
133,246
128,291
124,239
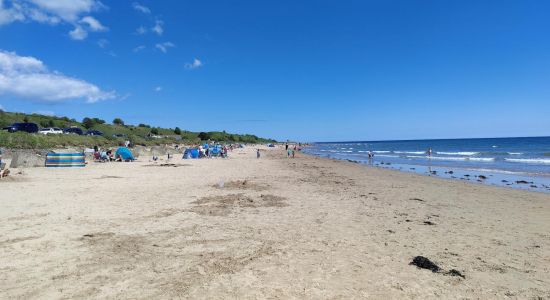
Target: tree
118,121
88,123
154,131
177,131
51,123
98,121
204,136
26,119
144,125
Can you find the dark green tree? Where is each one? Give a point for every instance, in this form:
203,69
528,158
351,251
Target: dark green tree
177,131
118,121
154,131
88,123
204,136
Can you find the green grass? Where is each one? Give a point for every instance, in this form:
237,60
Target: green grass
136,134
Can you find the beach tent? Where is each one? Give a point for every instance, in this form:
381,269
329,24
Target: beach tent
191,153
65,160
124,153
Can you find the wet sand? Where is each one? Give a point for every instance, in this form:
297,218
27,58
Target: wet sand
269,228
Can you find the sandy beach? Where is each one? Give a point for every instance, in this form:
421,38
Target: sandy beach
278,228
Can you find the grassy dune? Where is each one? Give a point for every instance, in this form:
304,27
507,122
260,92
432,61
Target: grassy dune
139,135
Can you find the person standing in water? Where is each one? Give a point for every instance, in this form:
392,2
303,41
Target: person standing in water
429,152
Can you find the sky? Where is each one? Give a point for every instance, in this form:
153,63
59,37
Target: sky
310,70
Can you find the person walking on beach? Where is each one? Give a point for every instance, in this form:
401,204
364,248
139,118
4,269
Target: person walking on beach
258,153
293,151
286,146
288,153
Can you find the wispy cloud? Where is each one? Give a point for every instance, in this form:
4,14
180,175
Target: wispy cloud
103,43
158,89
194,65
158,28
2,108
93,24
164,46
141,30
28,77
139,48
53,13
141,8
78,33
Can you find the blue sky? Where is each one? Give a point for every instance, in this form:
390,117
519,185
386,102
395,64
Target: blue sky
309,70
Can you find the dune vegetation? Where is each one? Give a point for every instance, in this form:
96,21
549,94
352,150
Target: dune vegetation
114,133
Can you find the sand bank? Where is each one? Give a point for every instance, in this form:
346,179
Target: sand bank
268,228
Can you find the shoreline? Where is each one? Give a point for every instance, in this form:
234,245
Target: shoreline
500,178
236,227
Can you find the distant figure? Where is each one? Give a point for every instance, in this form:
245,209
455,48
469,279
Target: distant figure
288,153
293,152
371,155
258,153
429,152
286,146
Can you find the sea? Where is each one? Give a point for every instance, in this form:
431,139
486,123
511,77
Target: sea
521,162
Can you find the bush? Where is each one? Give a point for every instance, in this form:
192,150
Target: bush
88,123
118,121
204,136
177,131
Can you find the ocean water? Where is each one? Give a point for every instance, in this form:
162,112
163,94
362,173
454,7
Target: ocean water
499,161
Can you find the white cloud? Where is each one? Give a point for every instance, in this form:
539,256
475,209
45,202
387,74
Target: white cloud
68,10
2,108
164,46
103,43
28,77
194,65
138,48
93,24
141,30
158,89
158,29
53,12
141,8
78,33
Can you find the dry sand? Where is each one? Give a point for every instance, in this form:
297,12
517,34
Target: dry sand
278,228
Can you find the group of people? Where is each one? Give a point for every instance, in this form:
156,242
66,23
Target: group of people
104,155
208,151
291,150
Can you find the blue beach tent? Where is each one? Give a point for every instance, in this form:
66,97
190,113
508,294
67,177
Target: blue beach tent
191,153
124,153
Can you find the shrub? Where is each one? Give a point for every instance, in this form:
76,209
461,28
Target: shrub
118,121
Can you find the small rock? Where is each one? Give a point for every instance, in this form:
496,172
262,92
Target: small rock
424,263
